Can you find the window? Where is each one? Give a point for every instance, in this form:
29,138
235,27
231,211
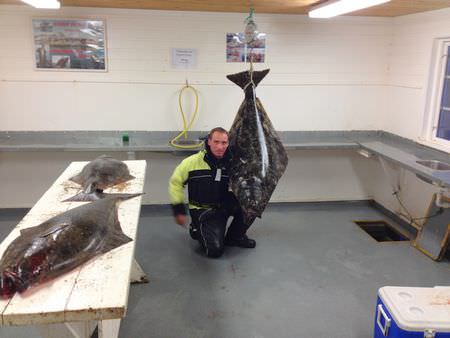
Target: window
443,118
437,119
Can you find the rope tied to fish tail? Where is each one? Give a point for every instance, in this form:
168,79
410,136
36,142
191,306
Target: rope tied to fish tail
251,75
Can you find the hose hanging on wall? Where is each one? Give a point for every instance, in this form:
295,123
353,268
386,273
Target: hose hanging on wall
185,143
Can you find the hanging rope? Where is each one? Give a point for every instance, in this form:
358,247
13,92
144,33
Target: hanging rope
250,15
186,124
251,76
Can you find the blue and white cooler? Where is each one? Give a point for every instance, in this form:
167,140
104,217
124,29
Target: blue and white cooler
413,312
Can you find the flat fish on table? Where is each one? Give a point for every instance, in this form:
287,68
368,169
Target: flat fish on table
258,158
99,174
61,244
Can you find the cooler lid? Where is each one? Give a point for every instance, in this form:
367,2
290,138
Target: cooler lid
417,309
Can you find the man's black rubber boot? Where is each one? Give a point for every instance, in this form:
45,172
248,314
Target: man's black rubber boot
193,232
243,242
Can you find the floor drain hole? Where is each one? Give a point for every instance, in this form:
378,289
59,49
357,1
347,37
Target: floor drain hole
381,231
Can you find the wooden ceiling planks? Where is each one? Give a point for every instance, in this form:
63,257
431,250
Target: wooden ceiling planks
391,9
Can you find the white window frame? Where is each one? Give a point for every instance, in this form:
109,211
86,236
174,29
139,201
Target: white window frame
434,95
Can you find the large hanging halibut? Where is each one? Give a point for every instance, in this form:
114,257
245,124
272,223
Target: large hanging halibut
258,156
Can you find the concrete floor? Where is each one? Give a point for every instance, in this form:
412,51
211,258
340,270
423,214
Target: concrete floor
314,273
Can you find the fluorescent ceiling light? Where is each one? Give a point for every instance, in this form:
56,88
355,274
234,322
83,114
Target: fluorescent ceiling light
332,8
52,4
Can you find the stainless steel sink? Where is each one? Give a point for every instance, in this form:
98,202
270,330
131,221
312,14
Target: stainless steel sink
435,165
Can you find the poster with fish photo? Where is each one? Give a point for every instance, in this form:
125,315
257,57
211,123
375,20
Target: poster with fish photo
239,51
69,44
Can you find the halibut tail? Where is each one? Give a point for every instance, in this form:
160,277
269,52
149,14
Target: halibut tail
242,79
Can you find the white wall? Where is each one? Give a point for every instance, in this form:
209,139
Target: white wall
409,68
341,74
325,75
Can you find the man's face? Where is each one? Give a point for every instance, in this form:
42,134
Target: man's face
218,143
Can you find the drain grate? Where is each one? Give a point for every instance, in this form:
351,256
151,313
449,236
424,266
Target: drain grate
381,231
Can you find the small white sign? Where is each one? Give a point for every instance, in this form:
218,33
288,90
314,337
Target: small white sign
184,58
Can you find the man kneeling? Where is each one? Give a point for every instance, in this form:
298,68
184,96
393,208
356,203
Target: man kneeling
210,202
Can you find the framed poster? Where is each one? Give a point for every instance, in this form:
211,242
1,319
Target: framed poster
69,44
239,51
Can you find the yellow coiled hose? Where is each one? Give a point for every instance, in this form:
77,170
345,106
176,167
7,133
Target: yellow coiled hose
186,125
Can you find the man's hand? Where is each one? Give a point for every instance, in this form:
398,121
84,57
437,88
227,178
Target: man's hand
181,220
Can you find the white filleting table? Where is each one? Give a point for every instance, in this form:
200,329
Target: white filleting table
94,293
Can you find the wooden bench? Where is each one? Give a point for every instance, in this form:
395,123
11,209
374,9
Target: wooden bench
95,293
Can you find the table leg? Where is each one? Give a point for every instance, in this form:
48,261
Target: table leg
108,328
68,330
137,274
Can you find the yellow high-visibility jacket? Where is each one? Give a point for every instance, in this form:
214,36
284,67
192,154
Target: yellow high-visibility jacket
207,181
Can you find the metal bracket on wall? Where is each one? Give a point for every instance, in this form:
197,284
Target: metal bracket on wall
365,153
131,155
443,198
434,236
